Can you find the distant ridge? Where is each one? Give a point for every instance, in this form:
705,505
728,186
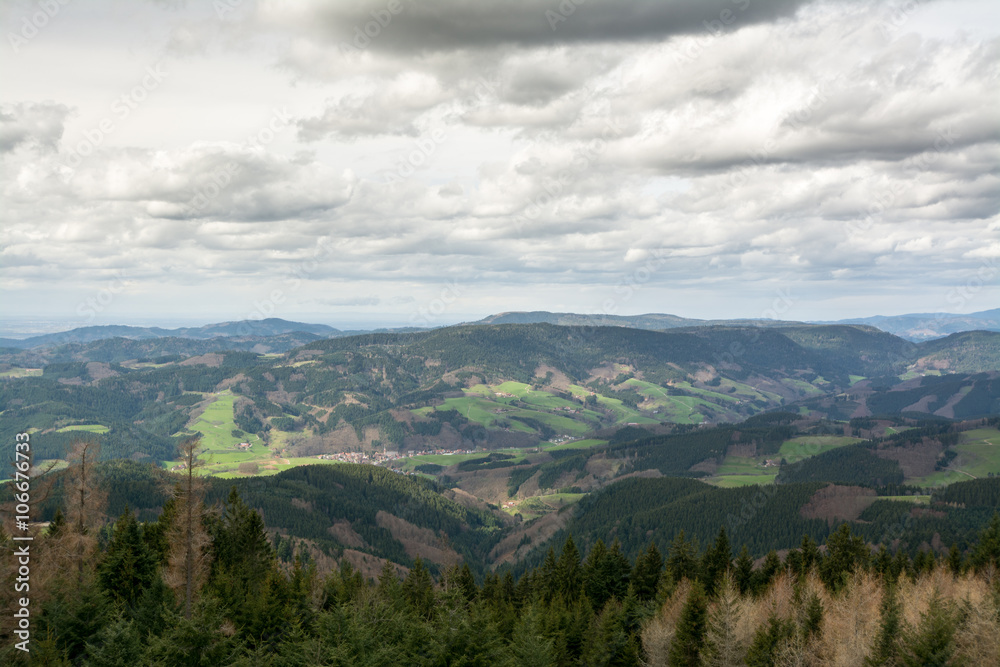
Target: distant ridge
246,328
926,326
913,327
652,321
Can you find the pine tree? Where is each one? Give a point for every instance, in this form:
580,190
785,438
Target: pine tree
418,589
646,575
128,567
528,645
681,560
986,555
743,571
886,650
932,641
716,562
768,641
845,553
689,639
595,572
567,571
116,645
955,564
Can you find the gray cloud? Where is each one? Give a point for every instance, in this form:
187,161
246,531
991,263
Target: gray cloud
38,124
467,24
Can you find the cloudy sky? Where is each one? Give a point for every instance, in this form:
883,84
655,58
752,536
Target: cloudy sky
395,162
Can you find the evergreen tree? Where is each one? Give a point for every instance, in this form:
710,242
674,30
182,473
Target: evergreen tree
567,571
595,575
743,571
768,642
116,645
128,566
987,551
887,645
689,639
647,572
716,562
932,641
681,559
845,553
418,589
528,646
955,563
618,571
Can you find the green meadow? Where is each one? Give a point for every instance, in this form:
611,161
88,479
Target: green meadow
89,428
805,446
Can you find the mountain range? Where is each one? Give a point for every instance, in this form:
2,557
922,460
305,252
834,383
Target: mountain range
914,327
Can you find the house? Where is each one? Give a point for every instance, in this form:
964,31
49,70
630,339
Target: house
243,446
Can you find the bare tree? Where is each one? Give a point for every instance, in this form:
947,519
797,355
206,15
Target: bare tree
85,503
187,565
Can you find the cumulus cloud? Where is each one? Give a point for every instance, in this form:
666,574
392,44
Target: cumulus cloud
827,146
33,124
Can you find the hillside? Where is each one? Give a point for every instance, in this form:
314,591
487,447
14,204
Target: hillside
514,385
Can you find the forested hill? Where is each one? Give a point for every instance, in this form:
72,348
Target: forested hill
467,386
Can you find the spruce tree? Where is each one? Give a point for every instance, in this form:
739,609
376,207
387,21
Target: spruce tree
646,575
689,638
932,643
886,651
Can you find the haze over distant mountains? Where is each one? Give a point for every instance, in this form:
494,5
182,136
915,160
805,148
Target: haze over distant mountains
913,327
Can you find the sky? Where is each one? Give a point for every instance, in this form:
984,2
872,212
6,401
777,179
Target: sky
424,162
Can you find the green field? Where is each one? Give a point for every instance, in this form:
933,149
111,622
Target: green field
438,459
536,506
941,478
622,413
742,471
21,372
805,446
918,500
733,481
218,444
978,452
89,428
678,409
482,411
577,444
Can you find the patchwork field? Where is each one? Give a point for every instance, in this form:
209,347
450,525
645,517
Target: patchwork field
743,470
21,373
